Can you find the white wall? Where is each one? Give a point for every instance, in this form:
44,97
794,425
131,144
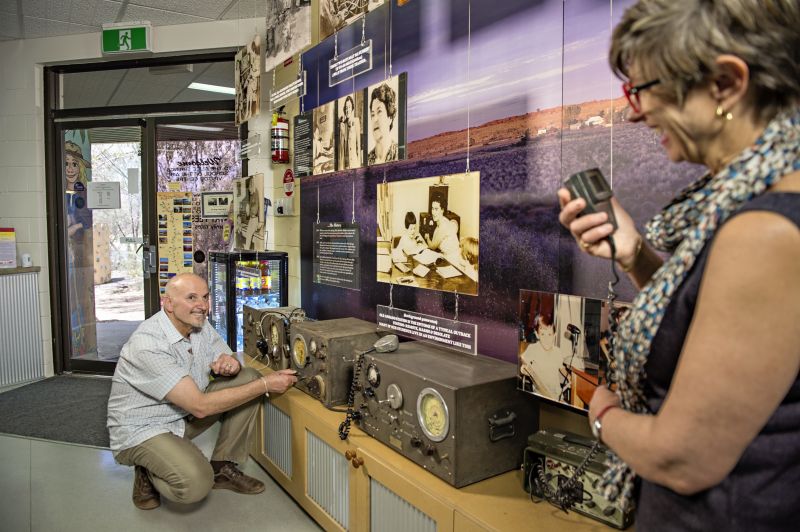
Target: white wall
22,179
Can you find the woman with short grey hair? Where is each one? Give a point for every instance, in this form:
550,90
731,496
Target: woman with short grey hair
705,414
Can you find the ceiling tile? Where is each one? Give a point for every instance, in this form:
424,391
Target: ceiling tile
89,89
9,27
106,13
202,8
47,9
246,9
159,17
36,27
8,6
83,12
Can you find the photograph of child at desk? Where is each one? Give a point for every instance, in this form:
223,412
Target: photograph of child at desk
427,244
563,352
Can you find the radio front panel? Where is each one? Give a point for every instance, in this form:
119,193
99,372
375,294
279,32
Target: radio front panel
552,457
323,353
267,335
458,416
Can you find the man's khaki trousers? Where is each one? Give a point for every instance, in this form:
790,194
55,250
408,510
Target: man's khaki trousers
178,469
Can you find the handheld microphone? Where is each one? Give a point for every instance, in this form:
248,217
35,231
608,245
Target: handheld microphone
574,329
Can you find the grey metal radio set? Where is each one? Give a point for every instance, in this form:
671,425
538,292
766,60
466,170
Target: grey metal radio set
267,333
458,416
323,353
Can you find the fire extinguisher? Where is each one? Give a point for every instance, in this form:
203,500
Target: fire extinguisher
280,139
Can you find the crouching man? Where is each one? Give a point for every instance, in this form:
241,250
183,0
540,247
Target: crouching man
163,395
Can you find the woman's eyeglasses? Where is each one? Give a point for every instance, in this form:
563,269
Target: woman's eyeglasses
632,93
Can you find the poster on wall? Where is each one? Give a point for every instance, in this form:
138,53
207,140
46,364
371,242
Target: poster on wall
324,138
564,346
248,203
247,80
288,30
175,236
80,241
386,120
336,258
350,131
200,166
335,14
428,232
303,144
215,204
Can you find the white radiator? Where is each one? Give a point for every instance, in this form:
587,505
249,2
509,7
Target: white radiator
21,357
327,479
278,438
390,513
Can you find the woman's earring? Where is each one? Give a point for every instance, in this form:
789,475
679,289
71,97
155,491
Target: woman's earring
720,112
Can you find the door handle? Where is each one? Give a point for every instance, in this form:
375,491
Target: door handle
149,260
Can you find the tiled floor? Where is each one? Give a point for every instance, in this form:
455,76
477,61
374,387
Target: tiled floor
55,487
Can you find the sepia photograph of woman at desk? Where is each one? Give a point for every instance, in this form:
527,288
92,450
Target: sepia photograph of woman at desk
428,233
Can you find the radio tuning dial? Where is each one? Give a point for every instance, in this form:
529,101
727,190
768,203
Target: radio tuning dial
394,396
299,355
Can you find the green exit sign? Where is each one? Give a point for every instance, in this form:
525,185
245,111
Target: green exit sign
126,37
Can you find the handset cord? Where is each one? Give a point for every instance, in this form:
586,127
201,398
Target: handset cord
344,426
566,496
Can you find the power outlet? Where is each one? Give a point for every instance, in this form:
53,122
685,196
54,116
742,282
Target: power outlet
284,207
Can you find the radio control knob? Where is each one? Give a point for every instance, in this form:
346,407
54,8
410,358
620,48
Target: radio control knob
608,511
317,386
415,442
430,450
589,504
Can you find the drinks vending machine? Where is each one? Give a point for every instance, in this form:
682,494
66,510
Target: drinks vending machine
256,278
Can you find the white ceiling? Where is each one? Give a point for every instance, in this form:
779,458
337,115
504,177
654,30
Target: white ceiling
31,19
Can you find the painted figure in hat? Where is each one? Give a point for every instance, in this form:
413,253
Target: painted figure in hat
75,166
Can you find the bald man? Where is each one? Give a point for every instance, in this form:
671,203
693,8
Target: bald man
163,395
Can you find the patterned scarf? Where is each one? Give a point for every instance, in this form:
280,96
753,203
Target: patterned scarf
683,228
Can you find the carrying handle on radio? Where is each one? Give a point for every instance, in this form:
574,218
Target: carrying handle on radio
501,425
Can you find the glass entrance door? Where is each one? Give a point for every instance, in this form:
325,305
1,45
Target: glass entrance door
107,287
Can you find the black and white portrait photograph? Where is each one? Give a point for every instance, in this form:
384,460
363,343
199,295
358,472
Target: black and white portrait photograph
247,80
428,232
248,200
385,121
288,30
350,131
324,134
564,346
336,14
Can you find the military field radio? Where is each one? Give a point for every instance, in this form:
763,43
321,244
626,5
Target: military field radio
266,333
458,416
323,353
557,464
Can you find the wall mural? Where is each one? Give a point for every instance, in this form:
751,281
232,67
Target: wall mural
536,99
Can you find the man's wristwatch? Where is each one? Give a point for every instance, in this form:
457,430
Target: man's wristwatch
597,424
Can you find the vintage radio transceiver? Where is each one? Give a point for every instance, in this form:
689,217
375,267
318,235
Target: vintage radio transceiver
266,333
323,353
552,458
458,416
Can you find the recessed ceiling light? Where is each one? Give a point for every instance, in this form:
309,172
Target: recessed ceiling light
212,88
193,128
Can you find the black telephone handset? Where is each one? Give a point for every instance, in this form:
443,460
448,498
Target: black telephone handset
593,188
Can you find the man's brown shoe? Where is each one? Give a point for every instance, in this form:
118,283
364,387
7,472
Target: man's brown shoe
145,496
230,478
